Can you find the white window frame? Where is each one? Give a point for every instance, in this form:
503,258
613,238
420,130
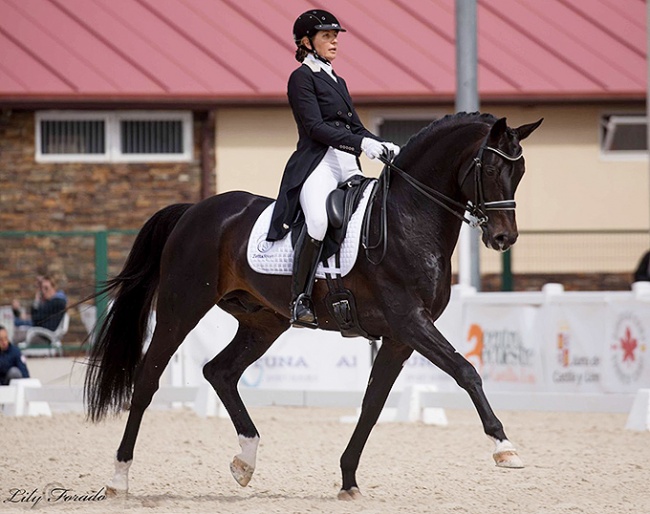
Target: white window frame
606,137
112,143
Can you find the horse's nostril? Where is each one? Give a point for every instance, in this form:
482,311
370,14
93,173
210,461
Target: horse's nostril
504,240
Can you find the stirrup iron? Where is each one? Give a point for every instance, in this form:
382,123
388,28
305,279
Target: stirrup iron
302,312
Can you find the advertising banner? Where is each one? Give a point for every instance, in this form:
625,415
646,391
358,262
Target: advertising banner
626,366
301,359
591,346
572,346
503,345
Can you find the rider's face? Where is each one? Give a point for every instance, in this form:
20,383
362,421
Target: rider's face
326,43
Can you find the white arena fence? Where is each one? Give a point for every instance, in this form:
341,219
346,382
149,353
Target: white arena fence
544,350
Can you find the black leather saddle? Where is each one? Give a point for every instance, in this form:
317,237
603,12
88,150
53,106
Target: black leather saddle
341,204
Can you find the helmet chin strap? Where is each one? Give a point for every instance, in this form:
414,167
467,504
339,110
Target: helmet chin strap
313,51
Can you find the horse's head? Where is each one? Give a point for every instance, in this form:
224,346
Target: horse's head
490,186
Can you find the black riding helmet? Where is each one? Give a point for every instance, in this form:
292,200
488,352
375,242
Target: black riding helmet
310,22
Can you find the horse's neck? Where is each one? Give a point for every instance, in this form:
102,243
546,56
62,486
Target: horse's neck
419,218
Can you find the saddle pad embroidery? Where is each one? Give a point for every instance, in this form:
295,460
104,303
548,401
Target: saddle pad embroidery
276,257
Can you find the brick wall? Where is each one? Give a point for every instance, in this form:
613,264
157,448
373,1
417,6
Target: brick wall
570,281
72,197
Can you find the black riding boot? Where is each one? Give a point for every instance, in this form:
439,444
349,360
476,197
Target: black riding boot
305,261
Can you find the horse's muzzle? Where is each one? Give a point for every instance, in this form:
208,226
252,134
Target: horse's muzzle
499,239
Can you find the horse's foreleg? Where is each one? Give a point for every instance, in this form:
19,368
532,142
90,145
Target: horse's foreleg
385,370
255,335
445,356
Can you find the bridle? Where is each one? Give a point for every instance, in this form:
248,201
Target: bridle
477,210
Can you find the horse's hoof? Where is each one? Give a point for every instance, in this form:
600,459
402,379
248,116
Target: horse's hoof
508,459
241,471
113,492
350,495
505,455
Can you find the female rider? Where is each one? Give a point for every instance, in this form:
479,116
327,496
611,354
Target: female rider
330,139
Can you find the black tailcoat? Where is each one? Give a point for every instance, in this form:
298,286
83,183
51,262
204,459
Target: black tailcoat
325,117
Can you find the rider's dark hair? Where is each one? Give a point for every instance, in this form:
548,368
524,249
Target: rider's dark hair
301,53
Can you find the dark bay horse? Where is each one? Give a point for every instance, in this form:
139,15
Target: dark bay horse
191,257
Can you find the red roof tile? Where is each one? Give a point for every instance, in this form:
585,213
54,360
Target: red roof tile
242,51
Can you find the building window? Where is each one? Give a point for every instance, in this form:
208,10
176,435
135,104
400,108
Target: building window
73,137
623,135
399,130
115,136
151,137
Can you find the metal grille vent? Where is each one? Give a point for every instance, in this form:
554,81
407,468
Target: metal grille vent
73,137
151,136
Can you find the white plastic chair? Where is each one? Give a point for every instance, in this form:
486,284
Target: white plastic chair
7,320
53,336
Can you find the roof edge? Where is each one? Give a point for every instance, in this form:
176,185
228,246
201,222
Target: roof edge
207,102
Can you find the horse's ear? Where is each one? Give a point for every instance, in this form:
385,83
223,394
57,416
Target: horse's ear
526,130
498,129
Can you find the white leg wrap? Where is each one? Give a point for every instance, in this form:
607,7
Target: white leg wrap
243,465
505,454
120,481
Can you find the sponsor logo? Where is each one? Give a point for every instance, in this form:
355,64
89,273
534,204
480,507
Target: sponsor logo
628,348
263,245
273,369
500,355
563,345
574,368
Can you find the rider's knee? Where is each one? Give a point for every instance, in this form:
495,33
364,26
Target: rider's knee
317,229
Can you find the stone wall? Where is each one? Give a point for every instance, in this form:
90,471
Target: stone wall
76,197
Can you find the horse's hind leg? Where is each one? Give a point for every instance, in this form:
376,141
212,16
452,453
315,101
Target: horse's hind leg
256,333
170,332
385,370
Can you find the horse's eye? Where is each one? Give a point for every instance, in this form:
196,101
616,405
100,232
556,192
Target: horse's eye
490,170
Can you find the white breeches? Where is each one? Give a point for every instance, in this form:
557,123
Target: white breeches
335,168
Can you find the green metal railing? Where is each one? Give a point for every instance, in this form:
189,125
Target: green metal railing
507,281
101,254
573,251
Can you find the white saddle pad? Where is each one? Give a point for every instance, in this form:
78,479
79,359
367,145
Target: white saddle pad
276,257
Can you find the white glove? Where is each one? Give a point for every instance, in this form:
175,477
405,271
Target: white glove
392,147
371,147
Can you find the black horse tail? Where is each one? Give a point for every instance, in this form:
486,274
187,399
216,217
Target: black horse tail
117,350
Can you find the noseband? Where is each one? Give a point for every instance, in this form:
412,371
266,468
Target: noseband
477,210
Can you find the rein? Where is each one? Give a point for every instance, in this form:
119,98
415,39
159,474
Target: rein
477,210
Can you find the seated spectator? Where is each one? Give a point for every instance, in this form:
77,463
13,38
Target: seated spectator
12,364
642,273
47,309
